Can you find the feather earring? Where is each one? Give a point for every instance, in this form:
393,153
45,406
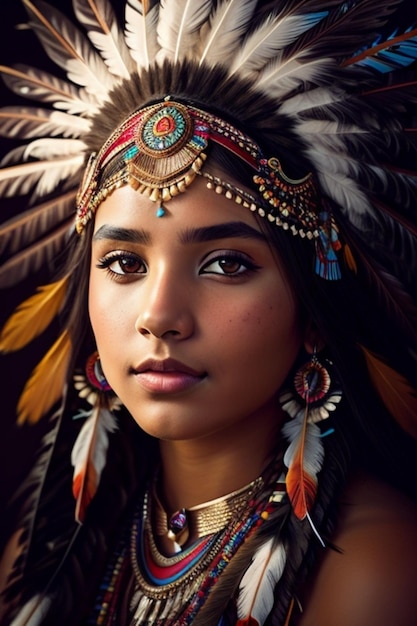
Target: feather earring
305,454
89,452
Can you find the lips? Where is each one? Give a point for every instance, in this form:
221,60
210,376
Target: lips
167,376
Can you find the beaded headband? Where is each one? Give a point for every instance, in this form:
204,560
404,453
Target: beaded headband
159,150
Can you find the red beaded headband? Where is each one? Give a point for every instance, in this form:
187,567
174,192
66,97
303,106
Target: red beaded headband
159,150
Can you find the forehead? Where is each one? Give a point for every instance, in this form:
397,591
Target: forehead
197,206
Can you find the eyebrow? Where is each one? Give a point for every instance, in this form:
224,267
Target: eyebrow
220,231
128,235
188,236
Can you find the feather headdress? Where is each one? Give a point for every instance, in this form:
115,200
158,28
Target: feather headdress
317,67
304,54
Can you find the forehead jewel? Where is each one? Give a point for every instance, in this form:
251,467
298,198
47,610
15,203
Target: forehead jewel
160,149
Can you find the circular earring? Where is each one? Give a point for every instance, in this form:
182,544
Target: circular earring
95,374
92,385
315,390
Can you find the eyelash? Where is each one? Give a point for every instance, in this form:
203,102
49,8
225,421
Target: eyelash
233,257
106,261
230,257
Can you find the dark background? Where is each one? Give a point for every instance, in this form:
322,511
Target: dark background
17,445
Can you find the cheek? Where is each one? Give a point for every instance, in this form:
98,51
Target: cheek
266,333
96,307
105,311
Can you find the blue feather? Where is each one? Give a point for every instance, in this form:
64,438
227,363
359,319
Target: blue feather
385,55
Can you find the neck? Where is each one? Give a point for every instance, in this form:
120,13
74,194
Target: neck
196,471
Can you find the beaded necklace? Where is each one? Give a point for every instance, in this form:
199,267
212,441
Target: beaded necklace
142,586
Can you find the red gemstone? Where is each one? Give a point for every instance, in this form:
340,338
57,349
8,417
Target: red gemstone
164,126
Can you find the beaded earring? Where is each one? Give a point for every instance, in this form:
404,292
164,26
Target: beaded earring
315,391
314,397
89,452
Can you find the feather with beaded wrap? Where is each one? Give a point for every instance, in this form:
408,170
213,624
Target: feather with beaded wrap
88,456
256,589
310,49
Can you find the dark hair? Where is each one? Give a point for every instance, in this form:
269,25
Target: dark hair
347,313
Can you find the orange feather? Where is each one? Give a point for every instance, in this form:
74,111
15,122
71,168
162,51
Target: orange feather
89,456
304,458
395,391
33,316
47,382
301,488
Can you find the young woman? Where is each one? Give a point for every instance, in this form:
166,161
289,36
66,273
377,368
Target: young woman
230,378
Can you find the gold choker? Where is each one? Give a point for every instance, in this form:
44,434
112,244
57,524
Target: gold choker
200,520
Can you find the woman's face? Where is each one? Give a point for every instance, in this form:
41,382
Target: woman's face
194,319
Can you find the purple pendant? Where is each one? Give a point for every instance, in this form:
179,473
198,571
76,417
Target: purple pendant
178,522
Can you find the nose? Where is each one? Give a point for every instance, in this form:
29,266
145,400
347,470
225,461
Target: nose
164,309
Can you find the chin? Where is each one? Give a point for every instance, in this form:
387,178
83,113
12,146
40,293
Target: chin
167,427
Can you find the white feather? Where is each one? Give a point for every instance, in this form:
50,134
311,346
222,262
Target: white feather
140,32
314,98
222,34
82,74
89,455
178,27
331,135
280,77
33,612
273,35
97,427
43,176
341,187
30,122
313,445
104,32
38,85
256,589
52,148
69,49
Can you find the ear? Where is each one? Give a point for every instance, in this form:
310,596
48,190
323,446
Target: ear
312,339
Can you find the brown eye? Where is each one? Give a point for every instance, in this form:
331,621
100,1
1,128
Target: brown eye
128,265
230,266
122,264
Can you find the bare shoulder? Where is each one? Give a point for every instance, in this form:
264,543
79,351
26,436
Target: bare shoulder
372,581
